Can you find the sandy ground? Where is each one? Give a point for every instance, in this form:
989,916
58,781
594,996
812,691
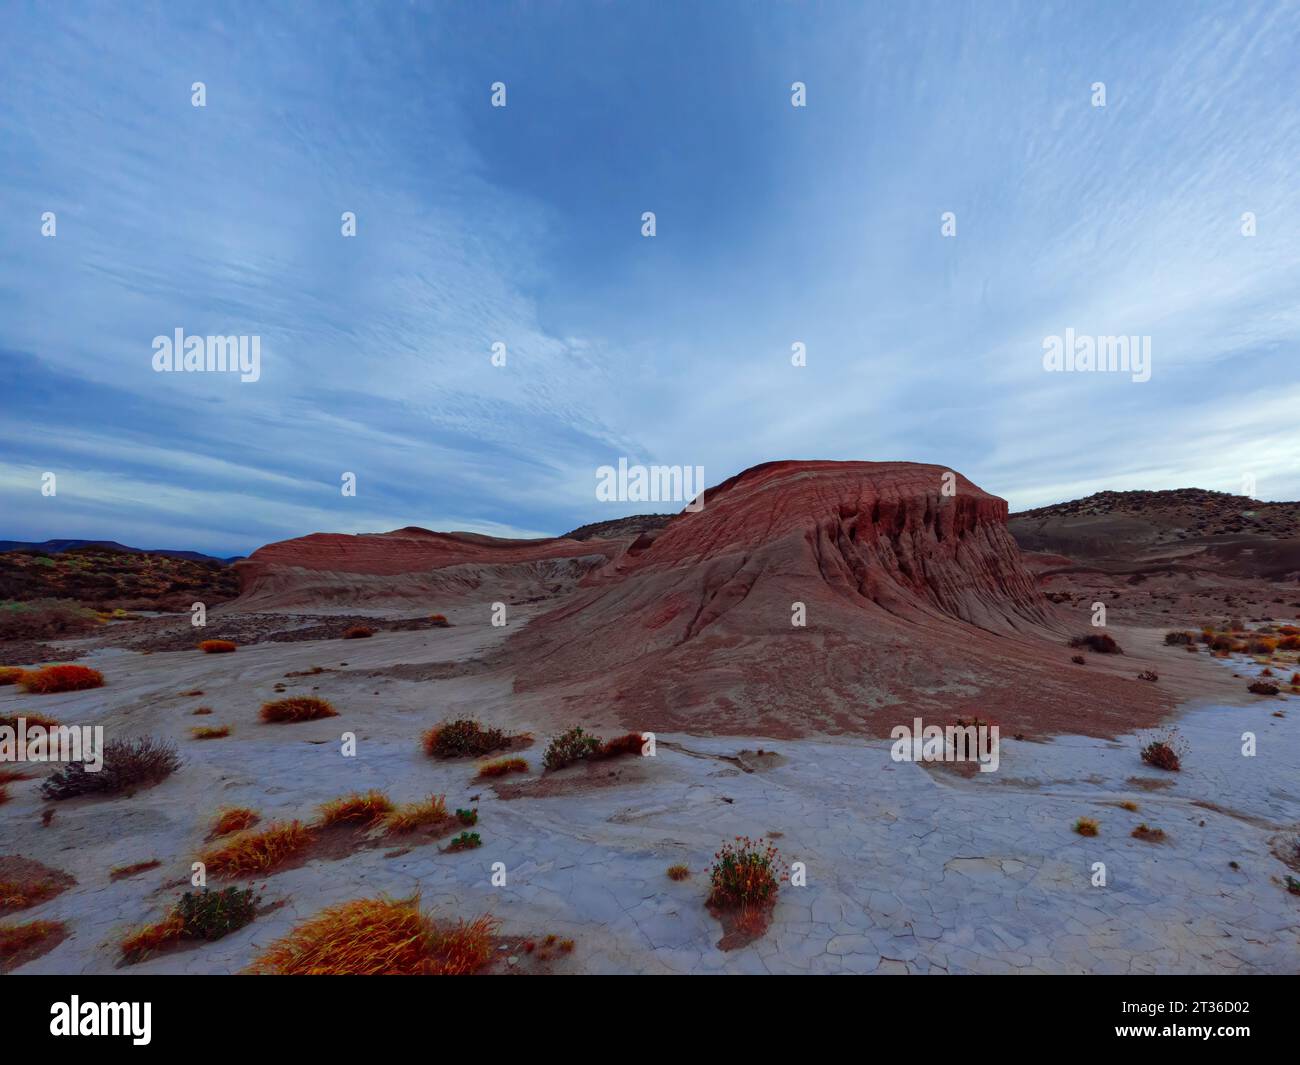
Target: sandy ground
909,868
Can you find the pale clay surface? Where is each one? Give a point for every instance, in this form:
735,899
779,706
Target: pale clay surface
909,869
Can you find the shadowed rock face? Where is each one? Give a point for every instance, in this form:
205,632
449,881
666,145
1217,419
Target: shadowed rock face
913,599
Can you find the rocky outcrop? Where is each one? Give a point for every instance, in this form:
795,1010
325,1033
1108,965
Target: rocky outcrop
811,596
411,565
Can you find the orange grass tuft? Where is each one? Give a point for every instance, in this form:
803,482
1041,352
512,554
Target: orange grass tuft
1086,826
16,938
210,732
10,674
299,708
356,809
410,816
233,819
678,872
359,632
628,744
122,872
379,937
146,940
502,766
217,647
254,853
17,895
32,720
60,679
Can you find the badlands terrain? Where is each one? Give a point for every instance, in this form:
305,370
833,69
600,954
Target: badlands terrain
919,597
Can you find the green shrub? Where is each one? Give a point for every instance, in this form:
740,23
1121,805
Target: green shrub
568,747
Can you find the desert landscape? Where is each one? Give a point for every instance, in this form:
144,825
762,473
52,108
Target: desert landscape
554,755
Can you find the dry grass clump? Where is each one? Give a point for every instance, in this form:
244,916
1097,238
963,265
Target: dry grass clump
19,894
32,720
218,647
201,711
298,708
10,674
233,819
210,732
1150,835
356,809
379,937
440,620
125,872
678,872
502,766
254,853
1263,687
1086,826
1131,807
410,816
1099,642
17,938
630,743
463,737
359,632
67,678
128,764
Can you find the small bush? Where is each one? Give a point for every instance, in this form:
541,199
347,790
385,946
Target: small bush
467,817
218,647
1263,687
1078,660
745,873
10,674
1289,643
298,708
1100,642
1174,639
255,853
1086,826
1148,674
466,841
1161,755
128,764
210,732
60,679
1261,645
355,809
502,766
568,747
358,632
204,914
1131,807
678,872
409,817
1150,835
32,720
233,819
1292,885
440,621
463,737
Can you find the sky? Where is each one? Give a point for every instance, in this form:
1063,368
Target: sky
522,225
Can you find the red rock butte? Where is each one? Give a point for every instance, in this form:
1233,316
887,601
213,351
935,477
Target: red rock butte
912,595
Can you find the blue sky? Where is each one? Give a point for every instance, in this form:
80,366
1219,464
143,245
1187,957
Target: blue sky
523,225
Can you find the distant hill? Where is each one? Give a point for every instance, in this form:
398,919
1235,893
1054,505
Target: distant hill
620,528
55,547
1191,527
108,576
